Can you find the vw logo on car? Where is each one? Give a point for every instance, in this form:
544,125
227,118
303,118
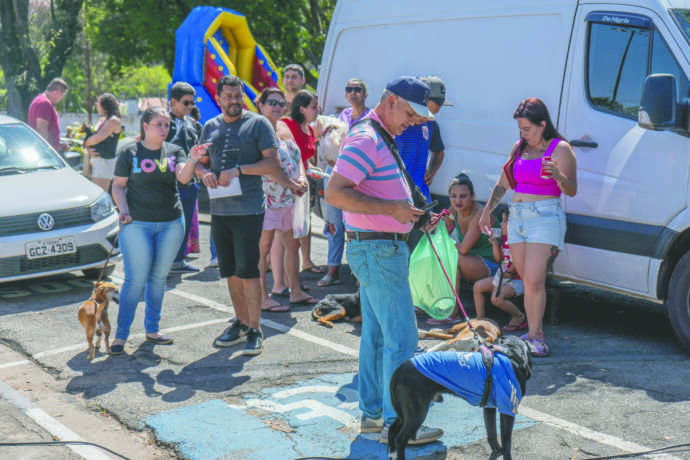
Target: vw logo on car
46,222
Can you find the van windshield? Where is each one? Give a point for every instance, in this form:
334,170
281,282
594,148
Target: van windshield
683,20
21,151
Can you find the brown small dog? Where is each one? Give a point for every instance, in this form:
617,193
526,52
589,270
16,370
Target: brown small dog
460,337
93,314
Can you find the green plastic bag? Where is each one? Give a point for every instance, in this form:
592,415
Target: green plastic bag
430,289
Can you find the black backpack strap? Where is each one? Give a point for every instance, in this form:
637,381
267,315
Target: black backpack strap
488,360
392,146
418,198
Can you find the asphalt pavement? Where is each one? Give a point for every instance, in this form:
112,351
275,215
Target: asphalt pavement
616,380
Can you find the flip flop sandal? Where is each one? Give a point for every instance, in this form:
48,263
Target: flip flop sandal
160,340
328,280
308,302
117,349
539,348
514,327
285,293
277,308
314,270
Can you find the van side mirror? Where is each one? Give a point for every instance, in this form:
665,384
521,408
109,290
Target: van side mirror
658,104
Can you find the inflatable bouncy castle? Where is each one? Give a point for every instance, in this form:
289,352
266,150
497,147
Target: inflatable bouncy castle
213,42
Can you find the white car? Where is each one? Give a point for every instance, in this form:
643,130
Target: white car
52,220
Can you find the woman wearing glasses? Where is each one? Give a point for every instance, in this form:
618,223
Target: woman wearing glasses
356,95
280,192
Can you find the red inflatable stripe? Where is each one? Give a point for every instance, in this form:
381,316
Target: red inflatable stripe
261,78
212,74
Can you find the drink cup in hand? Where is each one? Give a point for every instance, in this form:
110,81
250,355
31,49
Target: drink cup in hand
544,162
496,233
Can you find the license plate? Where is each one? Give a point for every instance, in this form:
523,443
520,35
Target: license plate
50,247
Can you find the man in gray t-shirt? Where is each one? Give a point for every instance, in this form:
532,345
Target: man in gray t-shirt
241,145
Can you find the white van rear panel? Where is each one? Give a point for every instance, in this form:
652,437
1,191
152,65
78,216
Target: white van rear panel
378,41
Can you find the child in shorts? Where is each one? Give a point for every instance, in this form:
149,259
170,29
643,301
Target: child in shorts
511,285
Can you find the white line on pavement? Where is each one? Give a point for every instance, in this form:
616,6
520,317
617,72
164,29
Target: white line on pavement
56,429
79,346
583,432
578,430
271,324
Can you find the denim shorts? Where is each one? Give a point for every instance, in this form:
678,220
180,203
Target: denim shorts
537,222
490,265
517,285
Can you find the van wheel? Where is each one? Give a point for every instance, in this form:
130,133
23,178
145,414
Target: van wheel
678,302
94,273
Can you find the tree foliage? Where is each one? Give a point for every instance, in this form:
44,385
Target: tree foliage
143,31
31,58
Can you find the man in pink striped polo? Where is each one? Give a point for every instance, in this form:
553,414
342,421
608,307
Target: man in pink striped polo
369,187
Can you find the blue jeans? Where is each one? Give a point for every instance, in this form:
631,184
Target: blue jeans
389,326
148,250
336,242
188,196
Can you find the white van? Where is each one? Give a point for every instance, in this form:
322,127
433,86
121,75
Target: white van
590,61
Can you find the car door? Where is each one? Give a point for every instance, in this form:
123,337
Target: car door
631,180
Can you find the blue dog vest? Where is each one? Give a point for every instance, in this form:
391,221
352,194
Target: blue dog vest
465,374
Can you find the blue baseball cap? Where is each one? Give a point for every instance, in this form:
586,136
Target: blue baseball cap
414,91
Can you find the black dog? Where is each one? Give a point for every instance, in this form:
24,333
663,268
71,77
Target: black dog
412,390
337,306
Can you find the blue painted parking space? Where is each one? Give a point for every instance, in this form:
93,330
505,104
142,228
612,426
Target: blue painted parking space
315,418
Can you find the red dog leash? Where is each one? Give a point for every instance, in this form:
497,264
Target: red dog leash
435,220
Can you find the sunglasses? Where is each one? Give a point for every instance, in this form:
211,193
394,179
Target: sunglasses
354,89
273,103
187,103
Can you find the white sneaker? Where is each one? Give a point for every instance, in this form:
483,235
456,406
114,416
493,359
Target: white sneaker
213,263
424,435
370,425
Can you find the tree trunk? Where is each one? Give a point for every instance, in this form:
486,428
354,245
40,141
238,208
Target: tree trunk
18,59
15,103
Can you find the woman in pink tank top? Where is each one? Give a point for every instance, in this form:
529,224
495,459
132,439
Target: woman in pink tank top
541,167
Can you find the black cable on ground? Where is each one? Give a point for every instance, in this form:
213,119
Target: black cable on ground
60,443
639,454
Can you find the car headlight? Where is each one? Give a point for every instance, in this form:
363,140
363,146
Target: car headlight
102,208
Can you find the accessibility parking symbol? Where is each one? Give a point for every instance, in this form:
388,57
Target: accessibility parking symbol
315,418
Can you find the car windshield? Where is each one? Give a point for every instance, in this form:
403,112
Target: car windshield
22,150
683,21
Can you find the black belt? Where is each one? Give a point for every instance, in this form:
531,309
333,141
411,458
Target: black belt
363,236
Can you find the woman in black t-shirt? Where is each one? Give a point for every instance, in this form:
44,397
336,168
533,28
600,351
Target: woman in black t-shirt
145,191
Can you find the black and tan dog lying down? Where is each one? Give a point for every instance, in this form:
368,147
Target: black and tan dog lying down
460,337
334,307
492,378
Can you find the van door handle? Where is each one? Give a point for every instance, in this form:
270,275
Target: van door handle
581,143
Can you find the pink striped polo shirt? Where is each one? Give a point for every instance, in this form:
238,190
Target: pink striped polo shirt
365,160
